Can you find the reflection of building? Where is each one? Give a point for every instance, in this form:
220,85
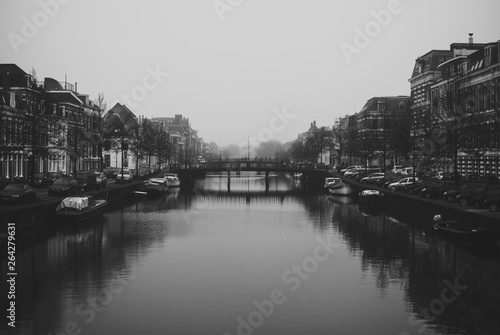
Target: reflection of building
467,99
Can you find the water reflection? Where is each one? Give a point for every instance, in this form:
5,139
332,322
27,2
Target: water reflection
195,262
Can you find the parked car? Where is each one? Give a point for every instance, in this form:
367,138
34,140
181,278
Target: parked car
442,175
478,200
4,181
492,203
101,180
350,168
64,186
53,176
111,172
384,182
436,190
17,193
417,186
126,177
372,178
464,198
400,185
41,180
86,180
352,172
451,195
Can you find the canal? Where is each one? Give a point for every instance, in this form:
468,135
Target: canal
247,262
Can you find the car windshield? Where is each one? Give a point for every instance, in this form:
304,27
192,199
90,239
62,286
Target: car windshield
13,187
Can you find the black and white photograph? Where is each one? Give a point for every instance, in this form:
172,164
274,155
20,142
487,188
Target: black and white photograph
237,167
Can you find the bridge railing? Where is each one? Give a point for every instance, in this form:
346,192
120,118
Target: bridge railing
254,164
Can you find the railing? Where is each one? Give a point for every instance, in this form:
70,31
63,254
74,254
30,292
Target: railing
253,164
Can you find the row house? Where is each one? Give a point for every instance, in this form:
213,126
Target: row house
186,145
378,135
43,125
119,133
426,72
466,102
326,154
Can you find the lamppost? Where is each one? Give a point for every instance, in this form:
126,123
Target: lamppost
381,109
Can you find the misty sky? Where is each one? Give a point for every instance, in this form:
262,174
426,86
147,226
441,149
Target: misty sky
232,69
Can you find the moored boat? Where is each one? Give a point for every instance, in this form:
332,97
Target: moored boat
463,232
336,186
80,208
154,186
371,197
173,179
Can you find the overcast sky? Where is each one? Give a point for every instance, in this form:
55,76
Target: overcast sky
237,68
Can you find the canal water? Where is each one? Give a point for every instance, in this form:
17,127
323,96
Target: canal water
246,262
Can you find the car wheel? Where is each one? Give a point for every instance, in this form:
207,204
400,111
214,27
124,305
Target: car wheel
363,181
477,204
393,188
428,195
493,207
463,202
411,191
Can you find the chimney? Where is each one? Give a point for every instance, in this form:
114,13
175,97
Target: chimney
76,87
471,39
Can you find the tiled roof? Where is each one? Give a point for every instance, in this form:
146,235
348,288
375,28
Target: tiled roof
391,103
430,61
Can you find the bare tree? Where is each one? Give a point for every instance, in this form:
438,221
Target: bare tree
43,126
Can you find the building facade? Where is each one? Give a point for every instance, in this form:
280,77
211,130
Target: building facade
465,109
378,135
45,126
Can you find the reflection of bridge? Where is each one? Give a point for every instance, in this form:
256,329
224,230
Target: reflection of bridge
310,175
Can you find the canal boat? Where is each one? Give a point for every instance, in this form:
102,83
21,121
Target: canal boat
173,179
80,208
371,197
462,232
154,186
337,187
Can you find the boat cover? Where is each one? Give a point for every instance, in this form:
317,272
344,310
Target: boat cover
73,202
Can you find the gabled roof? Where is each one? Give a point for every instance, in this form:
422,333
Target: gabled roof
120,120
